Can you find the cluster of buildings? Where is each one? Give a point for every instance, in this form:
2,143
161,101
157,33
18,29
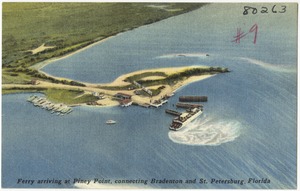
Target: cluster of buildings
143,88
124,99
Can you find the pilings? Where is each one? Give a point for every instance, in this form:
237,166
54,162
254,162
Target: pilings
58,109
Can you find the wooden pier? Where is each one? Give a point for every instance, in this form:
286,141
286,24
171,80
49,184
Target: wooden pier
188,105
193,98
59,109
172,112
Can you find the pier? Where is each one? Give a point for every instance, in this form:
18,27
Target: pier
158,103
58,109
188,105
193,98
172,112
144,105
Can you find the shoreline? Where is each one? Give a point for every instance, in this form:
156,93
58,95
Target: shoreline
40,65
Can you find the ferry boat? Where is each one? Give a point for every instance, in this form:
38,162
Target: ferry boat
185,118
110,122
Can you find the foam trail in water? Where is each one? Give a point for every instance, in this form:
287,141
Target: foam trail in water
184,55
277,68
207,131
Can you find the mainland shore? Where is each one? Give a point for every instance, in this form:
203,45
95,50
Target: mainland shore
22,71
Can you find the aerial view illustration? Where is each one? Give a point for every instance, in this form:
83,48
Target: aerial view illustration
149,95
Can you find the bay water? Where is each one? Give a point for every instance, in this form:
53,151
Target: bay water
248,128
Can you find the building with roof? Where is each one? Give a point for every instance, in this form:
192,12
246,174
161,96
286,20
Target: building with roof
126,102
122,96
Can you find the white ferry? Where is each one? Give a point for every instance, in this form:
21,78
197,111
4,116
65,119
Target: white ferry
185,118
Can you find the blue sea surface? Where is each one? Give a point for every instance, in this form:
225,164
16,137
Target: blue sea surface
247,130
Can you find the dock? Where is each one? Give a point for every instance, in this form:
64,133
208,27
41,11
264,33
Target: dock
42,102
193,98
144,105
158,103
188,105
172,112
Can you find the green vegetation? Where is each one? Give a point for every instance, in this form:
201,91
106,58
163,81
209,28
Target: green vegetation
168,80
10,77
143,75
21,90
69,96
68,27
114,88
174,78
25,75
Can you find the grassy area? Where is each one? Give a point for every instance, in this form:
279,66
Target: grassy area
69,96
10,77
168,80
25,75
114,88
57,95
69,27
145,74
22,90
173,78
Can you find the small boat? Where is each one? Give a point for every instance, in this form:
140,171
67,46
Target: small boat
110,122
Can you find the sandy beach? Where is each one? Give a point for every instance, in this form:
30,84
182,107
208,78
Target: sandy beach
40,65
40,49
168,71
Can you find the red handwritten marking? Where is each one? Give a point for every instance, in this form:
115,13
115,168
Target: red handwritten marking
254,28
240,34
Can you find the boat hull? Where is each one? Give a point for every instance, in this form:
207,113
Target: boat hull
187,121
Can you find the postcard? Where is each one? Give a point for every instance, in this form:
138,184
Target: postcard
149,95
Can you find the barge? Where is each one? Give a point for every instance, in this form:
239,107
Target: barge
193,98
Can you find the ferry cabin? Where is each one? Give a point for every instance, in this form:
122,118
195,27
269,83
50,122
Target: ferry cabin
183,116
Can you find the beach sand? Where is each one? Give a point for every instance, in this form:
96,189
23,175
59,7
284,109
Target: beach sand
40,65
120,80
40,49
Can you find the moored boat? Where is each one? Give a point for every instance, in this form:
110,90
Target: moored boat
110,122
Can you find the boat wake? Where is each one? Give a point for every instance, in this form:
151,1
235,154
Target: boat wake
200,54
277,68
207,132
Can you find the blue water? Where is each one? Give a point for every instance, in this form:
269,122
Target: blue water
247,130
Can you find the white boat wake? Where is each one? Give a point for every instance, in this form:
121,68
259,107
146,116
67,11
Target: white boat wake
207,132
200,54
277,68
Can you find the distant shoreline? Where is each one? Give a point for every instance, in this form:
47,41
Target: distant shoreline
40,65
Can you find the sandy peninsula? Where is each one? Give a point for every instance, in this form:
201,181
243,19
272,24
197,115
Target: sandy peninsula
109,90
168,90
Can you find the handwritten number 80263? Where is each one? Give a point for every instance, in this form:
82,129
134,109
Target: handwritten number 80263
264,10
